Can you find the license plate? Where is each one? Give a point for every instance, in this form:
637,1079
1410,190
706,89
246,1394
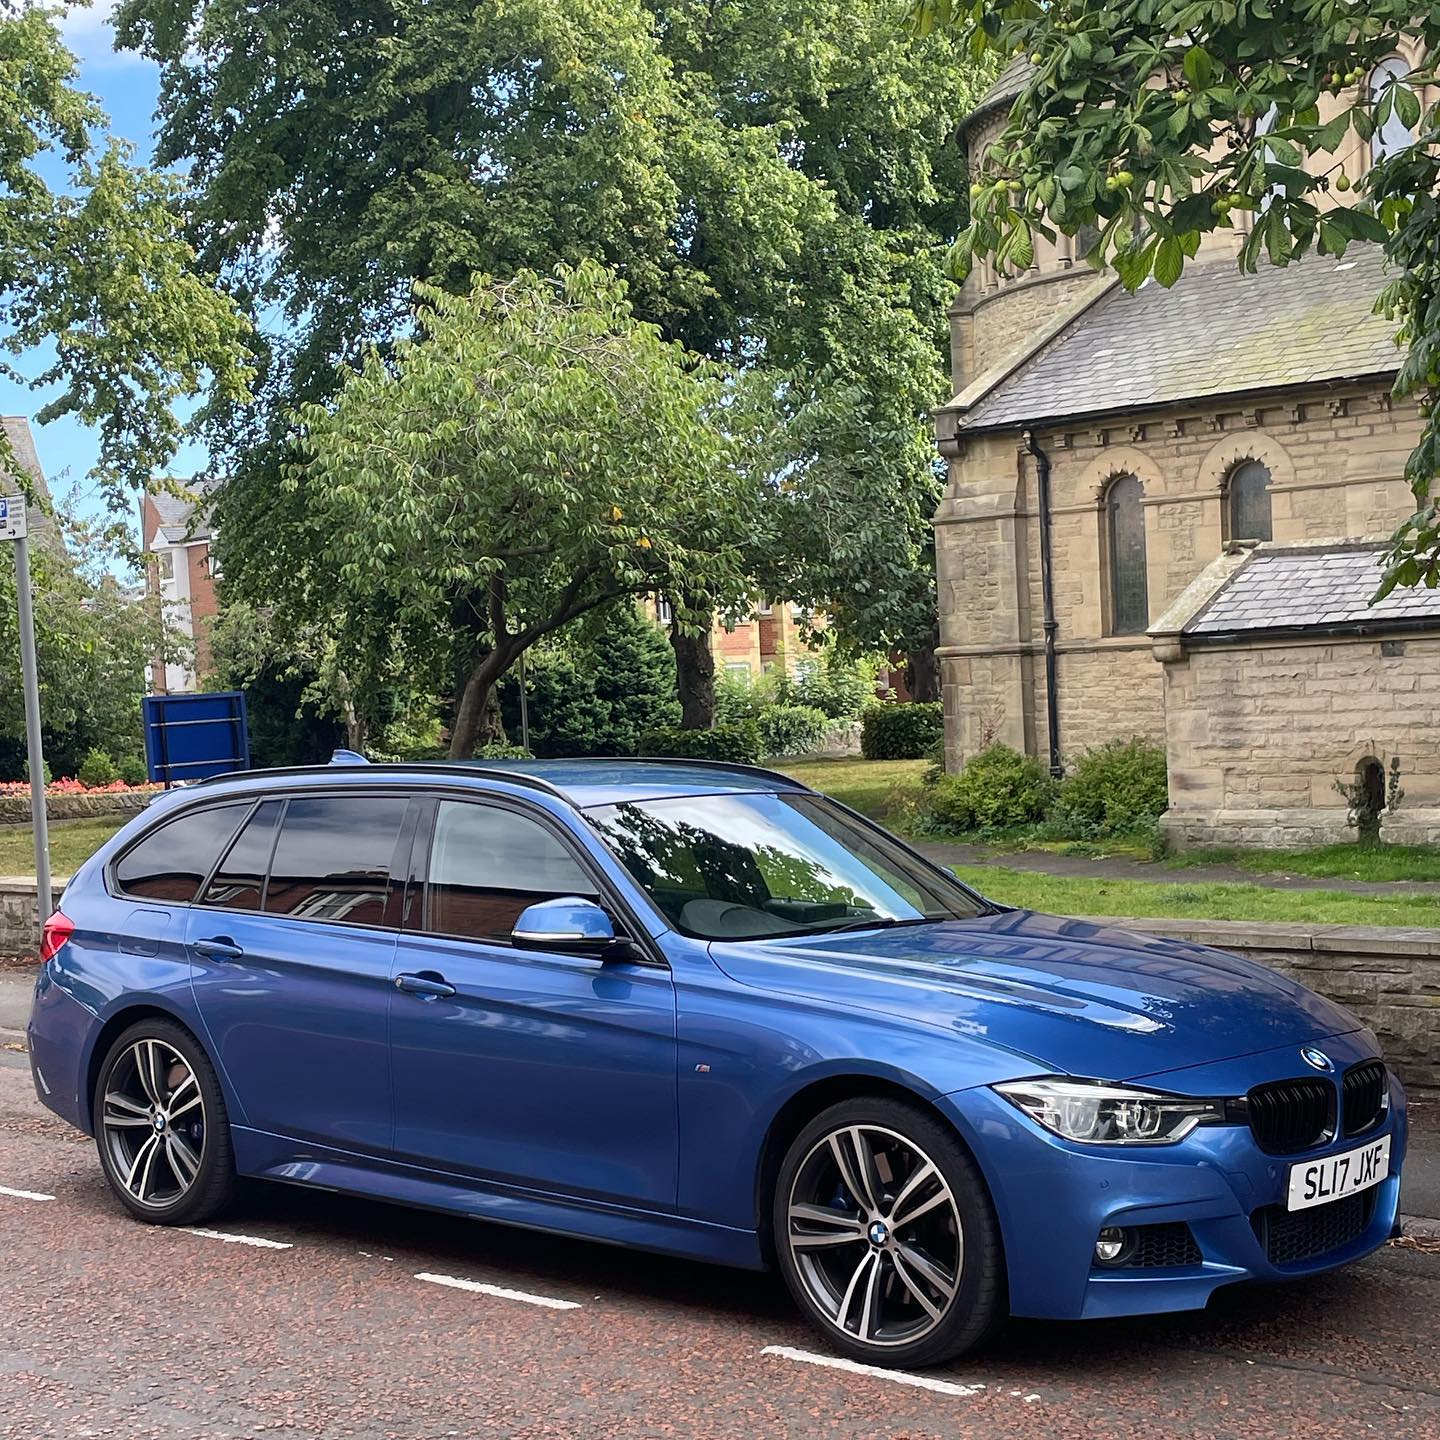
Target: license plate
1317,1182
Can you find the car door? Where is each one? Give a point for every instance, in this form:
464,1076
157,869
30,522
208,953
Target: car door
292,942
555,1072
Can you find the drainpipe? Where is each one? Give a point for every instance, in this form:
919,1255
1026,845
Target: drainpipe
1047,592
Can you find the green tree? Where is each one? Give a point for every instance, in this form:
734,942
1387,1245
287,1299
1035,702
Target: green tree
1157,122
775,184
535,455
101,270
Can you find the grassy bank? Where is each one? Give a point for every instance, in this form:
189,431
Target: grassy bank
885,790
72,842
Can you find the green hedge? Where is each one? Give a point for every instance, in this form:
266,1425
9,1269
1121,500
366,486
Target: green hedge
792,729
998,787
1115,787
901,732
739,744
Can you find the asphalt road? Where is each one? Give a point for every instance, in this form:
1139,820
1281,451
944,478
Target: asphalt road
308,1315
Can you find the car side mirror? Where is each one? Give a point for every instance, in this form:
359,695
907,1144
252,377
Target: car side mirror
569,924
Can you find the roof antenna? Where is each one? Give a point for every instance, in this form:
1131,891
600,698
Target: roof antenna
348,757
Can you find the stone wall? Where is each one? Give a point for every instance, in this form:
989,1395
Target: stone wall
15,809
1336,460
1257,736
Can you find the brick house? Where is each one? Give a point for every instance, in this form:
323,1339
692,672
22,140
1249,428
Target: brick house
1182,436
176,536
21,441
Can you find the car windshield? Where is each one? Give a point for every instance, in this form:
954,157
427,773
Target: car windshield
738,867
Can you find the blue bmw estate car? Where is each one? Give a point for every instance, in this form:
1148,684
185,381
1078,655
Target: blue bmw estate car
700,1009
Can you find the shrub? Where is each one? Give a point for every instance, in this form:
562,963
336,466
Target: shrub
839,688
792,729
901,732
96,770
739,698
998,787
1114,788
497,751
131,770
739,744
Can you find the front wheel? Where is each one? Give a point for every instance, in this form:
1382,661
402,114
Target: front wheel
161,1128
886,1236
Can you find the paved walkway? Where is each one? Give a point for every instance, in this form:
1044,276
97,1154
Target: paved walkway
1118,867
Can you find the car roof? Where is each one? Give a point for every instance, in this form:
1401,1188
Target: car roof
582,782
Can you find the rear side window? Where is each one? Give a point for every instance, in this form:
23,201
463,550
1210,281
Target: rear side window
487,864
332,860
240,881
172,860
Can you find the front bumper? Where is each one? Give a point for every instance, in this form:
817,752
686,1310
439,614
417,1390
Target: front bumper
1053,1197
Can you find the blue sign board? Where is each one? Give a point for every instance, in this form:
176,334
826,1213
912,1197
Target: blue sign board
191,737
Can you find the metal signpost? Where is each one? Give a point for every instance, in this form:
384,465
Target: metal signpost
12,527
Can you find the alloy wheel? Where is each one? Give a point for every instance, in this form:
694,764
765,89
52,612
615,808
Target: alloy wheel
153,1120
875,1234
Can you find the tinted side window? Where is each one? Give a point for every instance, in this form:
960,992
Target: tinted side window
240,880
171,861
332,860
488,864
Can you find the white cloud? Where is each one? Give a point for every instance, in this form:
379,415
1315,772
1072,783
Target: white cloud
89,31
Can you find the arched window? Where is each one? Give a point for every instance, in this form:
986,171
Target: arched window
1129,595
1248,502
1394,134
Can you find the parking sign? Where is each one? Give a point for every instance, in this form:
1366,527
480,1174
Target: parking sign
12,517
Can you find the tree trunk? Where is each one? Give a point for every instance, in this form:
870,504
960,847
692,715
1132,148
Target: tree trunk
923,672
695,675
477,716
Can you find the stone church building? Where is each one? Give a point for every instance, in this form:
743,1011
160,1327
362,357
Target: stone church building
1218,467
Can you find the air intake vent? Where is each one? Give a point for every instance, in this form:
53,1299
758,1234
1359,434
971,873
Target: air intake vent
1364,1096
1288,1116
1292,1238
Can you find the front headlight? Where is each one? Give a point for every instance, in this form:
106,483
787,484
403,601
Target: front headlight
1094,1113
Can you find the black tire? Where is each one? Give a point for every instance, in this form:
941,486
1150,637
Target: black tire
966,1215
199,1196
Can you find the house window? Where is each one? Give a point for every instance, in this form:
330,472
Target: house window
663,611
765,608
738,671
1248,502
1129,597
1394,135
165,565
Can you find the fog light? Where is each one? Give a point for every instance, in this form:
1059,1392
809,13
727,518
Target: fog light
1111,1245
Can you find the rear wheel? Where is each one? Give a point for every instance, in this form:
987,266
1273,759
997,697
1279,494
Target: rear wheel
886,1236
161,1128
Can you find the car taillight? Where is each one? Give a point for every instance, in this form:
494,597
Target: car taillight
58,929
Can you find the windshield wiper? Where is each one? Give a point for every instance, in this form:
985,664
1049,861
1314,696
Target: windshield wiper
875,922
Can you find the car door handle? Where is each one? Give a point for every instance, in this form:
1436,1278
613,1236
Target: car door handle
220,947
431,985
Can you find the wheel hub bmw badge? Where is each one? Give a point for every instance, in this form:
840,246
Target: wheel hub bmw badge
1316,1059
879,1233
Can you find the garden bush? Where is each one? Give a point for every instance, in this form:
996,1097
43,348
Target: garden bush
839,688
97,769
792,729
901,732
1116,787
131,770
739,744
998,788
497,751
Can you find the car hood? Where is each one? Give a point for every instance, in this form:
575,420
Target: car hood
1080,998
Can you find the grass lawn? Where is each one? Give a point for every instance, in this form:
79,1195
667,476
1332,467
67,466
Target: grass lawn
882,789
1078,895
1344,862
72,842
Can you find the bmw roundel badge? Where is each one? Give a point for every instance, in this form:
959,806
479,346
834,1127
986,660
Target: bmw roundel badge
1316,1059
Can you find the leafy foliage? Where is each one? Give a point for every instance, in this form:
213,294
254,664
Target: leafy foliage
1114,788
835,685
596,694
901,732
131,770
536,455
97,769
100,267
1156,121
792,729
738,744
998,787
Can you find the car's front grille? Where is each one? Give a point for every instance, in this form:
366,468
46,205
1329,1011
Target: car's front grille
1364,1090
1293,1237
1287,1116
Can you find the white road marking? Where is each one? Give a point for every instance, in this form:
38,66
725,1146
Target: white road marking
498,1292
875,1372
24,1194
257,1240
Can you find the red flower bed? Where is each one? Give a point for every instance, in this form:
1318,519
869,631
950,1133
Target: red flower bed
66,786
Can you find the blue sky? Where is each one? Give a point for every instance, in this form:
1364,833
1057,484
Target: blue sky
127,87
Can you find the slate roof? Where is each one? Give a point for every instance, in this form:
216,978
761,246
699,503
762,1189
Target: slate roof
1295,588
22,442
178,522
1008,84
1217,332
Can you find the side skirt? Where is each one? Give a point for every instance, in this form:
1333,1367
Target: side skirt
276,1157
